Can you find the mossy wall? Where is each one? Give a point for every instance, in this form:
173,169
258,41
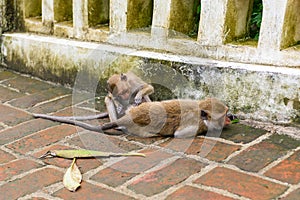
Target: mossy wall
291,29
98,11
237,19
63,10
33,8
183,15
139,14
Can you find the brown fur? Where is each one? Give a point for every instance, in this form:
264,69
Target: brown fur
179,118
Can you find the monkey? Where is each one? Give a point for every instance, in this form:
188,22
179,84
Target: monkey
177,118
124,91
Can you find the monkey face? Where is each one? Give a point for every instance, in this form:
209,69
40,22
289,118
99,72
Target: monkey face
214,121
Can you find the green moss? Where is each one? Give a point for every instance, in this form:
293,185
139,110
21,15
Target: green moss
98,12
33,8
139,14
184,17
63,10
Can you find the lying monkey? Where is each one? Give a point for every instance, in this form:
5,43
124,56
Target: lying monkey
178,118
124,90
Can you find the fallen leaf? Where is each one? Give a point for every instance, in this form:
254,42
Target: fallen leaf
72,177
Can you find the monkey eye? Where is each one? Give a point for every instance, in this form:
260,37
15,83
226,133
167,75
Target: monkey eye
124,92
204,115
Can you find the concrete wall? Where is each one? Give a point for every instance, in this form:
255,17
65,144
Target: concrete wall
260,80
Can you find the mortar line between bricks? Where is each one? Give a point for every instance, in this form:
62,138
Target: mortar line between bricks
31,171
39,194
276,162
291,189
51,100
274,128
4,126
19,157
158,166
187,181
125,191
31,134
219,191
235,168
59,142
19,109
246,146
9,127
10,88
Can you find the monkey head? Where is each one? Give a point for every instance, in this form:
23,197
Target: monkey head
119,87
214,114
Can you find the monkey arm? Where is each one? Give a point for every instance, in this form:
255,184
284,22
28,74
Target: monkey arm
143,92
111,109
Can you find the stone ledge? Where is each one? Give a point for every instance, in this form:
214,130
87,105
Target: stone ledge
267,93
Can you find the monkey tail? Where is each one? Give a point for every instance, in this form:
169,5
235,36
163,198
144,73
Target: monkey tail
70,120
79,118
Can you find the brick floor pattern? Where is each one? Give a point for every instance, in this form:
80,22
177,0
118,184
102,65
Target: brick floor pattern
242,163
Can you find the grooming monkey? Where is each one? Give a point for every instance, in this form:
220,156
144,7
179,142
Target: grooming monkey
124,91
178,118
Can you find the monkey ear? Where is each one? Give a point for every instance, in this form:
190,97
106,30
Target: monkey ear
204,115
123,77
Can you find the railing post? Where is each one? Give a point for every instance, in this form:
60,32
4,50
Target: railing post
160,21
118,17
80,18
48,14
212,22
271,29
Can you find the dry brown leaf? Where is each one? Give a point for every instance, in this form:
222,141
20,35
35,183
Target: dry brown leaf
72,177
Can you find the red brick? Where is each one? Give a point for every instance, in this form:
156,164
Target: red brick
16,167
102,142
88,191
260,155
6,75
42,138
58,104
166,177
27,84
30,183
189,193
11,116
33,99
240,133
146,141
124,170
24,129
288,170
84,164
211,149
293,196
7,94
241,184
37,198
113,177
5,157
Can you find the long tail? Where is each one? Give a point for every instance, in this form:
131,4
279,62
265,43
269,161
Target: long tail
79,118
70,120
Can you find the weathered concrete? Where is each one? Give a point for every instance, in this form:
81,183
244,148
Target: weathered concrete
260,92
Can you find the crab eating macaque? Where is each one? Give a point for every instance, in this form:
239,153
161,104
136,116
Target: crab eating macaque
124,91
178,118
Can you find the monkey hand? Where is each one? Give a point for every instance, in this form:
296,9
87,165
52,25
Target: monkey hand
137,100
119,109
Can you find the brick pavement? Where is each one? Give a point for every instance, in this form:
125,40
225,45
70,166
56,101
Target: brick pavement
243,163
